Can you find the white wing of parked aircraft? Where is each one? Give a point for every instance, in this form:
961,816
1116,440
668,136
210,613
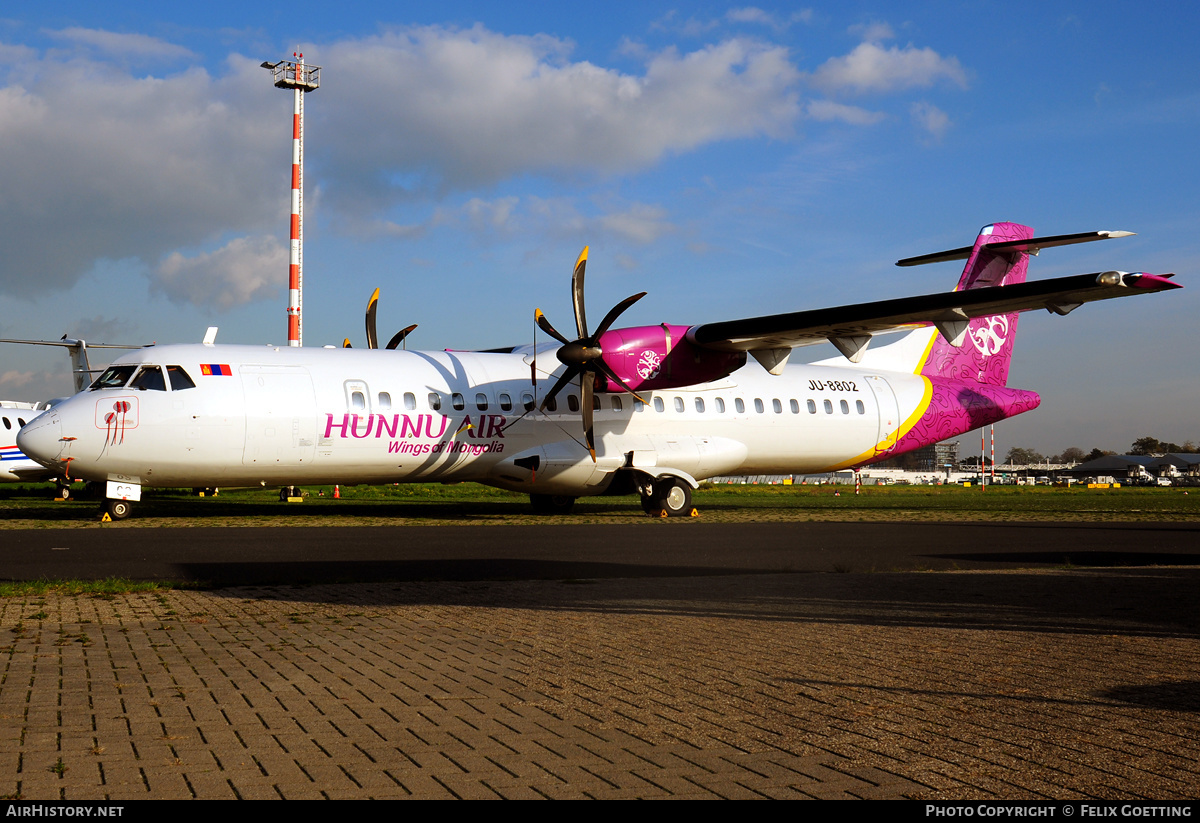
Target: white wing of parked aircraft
649,410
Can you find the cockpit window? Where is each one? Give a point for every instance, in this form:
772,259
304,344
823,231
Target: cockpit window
179,378
114,377
150,378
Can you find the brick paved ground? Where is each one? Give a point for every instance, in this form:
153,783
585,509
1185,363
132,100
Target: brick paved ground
935,685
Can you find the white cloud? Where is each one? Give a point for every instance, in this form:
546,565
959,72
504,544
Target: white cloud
640,223
243,270
753,14
872,68
873,32
99,164
123,45
12,382
930,118
826,110
469,108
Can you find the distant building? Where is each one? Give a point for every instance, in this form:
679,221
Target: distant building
934,458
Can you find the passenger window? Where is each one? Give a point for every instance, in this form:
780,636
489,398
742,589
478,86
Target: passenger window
738,405
481,401
859,405
658,404
505,402
720,405
20,422
812,406
527,401
617,404
551,404
845,407
777,406
679,404
829,407
457,401
385,400
758,405
7,423
179,378
795,406
410,401
435,401
596,402
639,406
572,402
358,400
700,405
150,378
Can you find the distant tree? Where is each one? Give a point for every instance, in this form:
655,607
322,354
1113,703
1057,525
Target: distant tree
1145,445
1024,457
1072,455
1150,445
1096,454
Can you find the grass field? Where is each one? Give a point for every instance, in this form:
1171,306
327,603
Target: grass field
31,507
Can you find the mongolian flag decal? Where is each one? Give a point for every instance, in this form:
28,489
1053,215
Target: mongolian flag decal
216,370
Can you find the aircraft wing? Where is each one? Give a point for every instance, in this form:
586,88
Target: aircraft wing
34,474
804,328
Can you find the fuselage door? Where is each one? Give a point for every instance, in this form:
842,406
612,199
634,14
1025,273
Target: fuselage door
281,416
889,413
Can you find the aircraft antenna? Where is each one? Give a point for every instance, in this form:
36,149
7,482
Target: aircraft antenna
301,78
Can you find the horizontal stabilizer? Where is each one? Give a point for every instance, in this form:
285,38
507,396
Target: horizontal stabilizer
1031,246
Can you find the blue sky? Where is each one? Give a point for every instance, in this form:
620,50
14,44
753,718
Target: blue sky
730,160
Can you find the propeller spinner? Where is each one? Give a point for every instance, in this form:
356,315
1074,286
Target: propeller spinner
584,356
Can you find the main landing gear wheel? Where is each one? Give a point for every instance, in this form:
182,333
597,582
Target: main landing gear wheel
288,492
118,509
670,497
551,503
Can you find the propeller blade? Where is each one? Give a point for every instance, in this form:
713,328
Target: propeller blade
399,336
372,306
545,326
577,293
346,344
567,377
608,372
586,381
616,311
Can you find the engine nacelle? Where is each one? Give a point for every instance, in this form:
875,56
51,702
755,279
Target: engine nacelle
661,357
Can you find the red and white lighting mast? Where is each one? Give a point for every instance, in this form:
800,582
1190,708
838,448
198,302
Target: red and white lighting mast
301,78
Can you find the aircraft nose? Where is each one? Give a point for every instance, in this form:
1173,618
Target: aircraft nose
41,439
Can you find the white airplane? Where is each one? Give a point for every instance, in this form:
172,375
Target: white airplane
661,407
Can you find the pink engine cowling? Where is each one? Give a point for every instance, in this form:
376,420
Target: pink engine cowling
661,357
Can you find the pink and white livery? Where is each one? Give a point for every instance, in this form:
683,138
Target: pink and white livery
661,407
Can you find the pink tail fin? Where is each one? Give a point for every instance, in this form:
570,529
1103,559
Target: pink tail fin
985,347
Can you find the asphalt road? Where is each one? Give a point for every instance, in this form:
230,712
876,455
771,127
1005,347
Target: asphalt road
258,556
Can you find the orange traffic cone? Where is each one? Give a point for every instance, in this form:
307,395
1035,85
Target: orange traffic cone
337,493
